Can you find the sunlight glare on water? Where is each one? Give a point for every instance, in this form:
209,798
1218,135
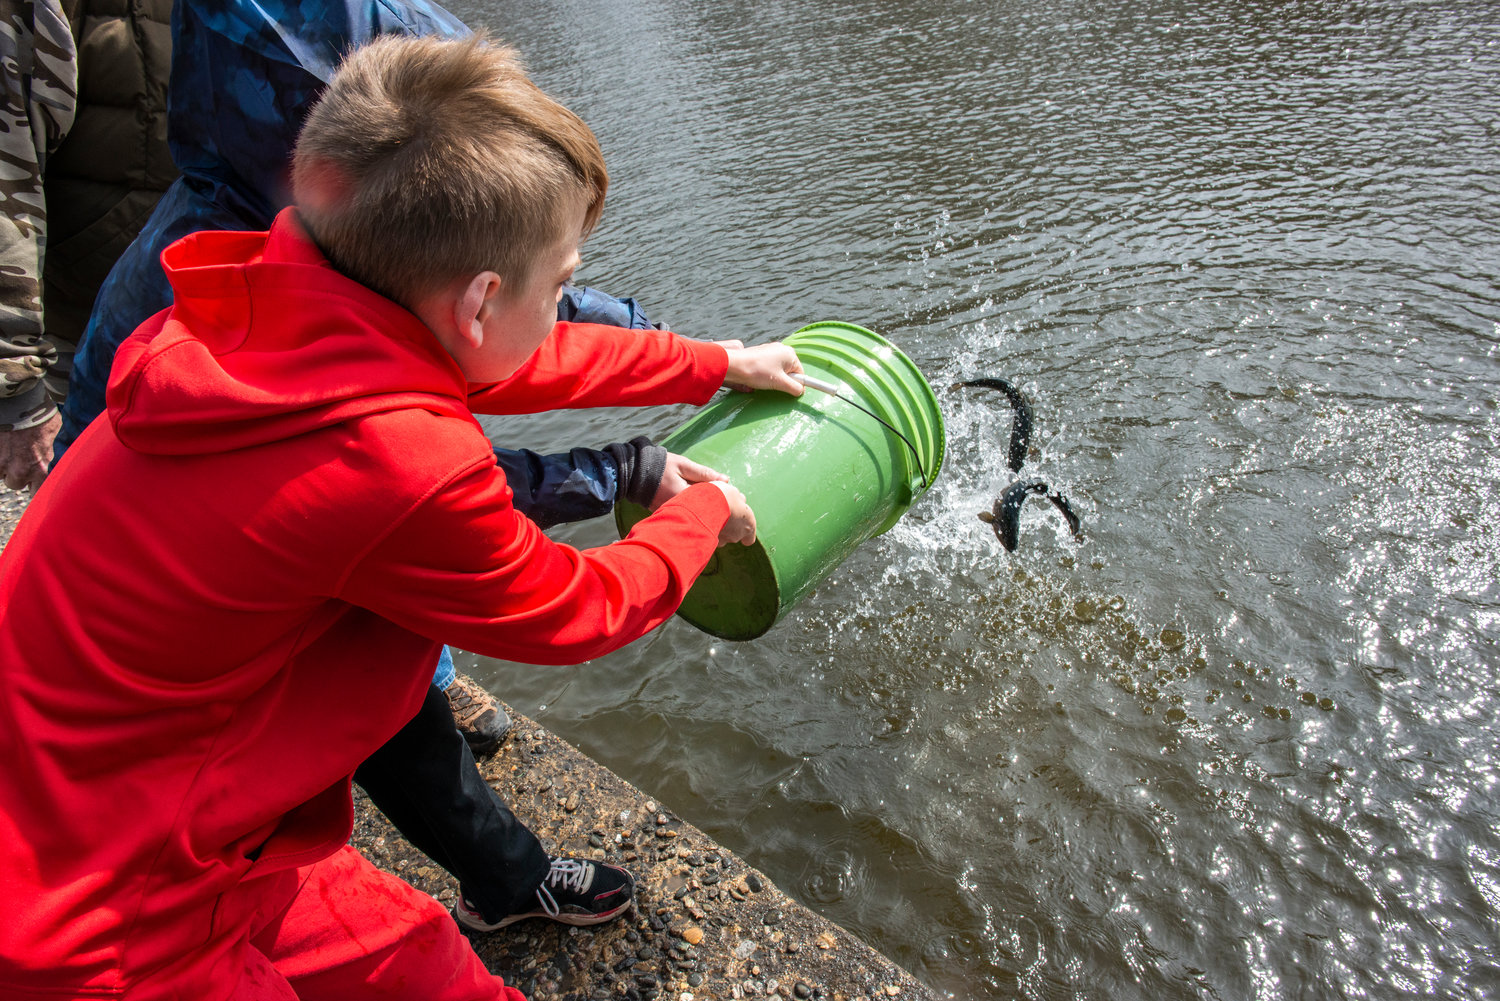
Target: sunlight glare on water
1238,740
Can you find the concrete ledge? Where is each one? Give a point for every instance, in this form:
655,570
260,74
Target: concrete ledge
705,924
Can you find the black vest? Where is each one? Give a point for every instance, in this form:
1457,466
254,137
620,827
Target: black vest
111,169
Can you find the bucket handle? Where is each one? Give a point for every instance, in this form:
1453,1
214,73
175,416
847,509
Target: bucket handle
832,390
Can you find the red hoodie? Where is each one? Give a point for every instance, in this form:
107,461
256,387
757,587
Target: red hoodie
245,573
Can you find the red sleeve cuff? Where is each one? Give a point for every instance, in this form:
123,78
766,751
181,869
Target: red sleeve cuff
710,366
708,503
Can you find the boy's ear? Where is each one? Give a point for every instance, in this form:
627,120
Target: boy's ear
473,306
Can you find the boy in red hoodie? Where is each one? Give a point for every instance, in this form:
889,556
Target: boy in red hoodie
174,801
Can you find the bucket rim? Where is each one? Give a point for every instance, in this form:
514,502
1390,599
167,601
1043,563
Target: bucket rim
935,437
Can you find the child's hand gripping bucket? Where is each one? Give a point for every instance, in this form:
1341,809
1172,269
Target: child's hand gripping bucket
821,475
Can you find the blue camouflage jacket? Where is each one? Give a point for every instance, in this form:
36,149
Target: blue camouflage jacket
244,75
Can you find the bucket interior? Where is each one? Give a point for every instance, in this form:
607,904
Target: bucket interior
879,376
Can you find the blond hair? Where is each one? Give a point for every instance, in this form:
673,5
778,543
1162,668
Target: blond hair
427,160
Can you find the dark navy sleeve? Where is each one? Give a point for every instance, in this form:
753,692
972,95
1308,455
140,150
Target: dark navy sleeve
583,483
553,489
589,305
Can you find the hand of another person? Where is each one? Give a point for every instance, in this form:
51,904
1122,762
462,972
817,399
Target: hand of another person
26,454
765,366
681,473
741,524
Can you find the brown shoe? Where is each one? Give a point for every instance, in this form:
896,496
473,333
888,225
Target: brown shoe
478,716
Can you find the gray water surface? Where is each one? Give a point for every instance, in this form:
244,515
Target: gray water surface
1239,742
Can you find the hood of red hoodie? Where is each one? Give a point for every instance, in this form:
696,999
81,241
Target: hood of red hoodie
264,341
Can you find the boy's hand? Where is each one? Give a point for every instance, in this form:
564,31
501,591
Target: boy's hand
741,524
765,366
680,474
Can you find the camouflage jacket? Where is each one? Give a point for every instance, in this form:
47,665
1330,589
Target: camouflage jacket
85,161
39,64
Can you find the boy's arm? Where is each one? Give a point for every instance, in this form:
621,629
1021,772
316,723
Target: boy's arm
587,365
592,365
467,568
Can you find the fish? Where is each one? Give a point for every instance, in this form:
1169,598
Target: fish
1005,518
1020,429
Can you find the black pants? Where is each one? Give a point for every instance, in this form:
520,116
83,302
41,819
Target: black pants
426,781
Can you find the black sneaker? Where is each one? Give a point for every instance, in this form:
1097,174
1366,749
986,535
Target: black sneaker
478,716
575,892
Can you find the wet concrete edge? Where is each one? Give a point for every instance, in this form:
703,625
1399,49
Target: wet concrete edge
705,923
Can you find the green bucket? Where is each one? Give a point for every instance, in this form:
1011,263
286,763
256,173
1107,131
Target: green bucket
821,475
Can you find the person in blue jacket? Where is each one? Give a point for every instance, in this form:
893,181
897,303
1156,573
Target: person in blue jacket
243,77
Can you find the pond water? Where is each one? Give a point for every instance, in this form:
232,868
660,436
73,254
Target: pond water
1239,741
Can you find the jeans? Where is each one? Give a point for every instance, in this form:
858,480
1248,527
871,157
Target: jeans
445,674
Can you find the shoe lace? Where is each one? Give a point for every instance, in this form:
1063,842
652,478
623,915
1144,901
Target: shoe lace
565,874
467,700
